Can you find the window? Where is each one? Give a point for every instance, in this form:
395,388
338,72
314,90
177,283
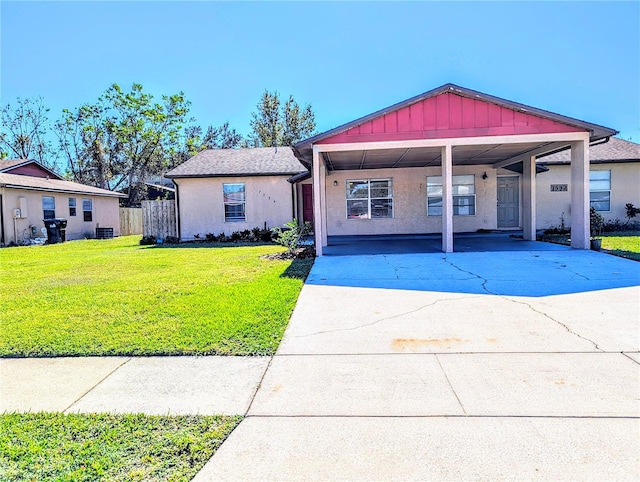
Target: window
72,206
48,207
87,209
234,202
464,195
600,190
370,199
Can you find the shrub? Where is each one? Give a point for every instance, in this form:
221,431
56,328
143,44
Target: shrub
597,222
292,234
147,240
172,240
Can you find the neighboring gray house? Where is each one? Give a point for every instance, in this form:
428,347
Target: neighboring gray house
227,190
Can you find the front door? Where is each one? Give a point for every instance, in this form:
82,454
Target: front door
307,202
508,202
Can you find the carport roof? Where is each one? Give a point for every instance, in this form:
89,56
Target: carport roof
423,117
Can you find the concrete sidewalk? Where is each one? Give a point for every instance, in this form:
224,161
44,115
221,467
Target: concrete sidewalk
152,385
425,367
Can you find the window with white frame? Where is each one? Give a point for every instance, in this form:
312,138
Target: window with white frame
464,195
370,199
234,202
72,206
48,207
600,190
87,210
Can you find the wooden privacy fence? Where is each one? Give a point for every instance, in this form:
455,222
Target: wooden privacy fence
130,221
159,219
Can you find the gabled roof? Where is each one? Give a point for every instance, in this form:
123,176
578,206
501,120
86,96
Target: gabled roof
616,150
596,132
261,161
11,165
17,181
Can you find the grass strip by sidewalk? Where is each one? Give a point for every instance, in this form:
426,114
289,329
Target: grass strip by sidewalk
626,245
114,297
75,447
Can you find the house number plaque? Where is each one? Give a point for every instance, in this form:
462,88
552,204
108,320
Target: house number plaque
559,187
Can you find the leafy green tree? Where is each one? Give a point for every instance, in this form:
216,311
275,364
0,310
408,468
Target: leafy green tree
23,132
222,137
123,139
277,124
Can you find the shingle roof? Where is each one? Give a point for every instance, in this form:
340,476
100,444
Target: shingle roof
261,161
52,185
616,150
9,163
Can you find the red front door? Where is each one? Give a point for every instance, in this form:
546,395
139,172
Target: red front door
307,202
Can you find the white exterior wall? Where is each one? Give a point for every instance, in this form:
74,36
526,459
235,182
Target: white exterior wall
625,188
269,199
410,202
106,214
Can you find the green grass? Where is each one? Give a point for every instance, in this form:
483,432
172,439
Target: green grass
58,447
625,244
114,297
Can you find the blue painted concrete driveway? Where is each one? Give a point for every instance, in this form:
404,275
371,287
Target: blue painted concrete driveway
540,270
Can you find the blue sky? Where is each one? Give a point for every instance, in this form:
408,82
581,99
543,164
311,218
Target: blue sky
580,59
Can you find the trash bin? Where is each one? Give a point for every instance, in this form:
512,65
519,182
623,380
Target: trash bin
56,230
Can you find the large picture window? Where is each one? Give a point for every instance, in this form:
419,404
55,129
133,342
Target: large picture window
48,207
87,210
464,195
369,199
600,190
234,202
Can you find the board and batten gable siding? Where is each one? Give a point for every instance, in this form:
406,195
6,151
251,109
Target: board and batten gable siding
448,115
269,199
551,205
410,202
105,213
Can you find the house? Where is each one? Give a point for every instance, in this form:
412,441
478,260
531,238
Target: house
30,193
446,161
614,181
227,190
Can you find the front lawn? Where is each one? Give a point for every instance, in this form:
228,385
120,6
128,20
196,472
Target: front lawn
114,297
625,244
54,446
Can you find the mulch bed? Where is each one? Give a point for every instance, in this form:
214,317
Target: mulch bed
304,252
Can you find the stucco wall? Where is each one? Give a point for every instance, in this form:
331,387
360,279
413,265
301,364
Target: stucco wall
269,199
105,214
410,202
625,188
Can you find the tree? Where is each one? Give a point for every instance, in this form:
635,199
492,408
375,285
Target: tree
222,137
123,139
275,124
23,132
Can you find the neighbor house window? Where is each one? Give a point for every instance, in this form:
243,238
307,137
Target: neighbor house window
600,190
234,202
370,199
48,207
72,206
87,210
464,195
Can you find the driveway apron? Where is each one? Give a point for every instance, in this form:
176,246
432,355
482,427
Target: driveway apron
482,366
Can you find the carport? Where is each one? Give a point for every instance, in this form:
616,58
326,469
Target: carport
437,134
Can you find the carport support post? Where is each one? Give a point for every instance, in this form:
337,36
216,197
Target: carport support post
318,193
580,218
447,199
529,198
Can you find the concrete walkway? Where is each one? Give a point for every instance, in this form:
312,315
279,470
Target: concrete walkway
515,365
491,366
